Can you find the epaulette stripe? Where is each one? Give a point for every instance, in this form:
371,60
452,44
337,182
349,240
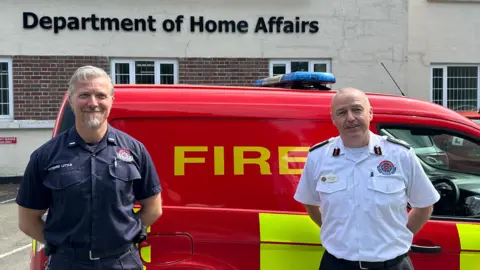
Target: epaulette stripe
399,142
320,144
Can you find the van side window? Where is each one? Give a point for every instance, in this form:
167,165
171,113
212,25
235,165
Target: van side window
452,162
67,120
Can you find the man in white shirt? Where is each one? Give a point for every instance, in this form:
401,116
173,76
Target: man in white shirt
356,188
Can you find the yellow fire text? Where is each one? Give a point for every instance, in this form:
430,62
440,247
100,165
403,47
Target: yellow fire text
263,159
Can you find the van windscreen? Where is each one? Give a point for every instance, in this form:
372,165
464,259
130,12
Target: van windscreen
67,120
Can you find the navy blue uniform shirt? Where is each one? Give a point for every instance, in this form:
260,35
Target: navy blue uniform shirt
90,190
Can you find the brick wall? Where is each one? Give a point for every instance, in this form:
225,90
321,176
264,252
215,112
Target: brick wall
39,82
222,71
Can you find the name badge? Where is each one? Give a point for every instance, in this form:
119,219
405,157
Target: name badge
329,178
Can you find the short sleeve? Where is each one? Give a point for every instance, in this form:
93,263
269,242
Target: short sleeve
32,193
420,190
306,189
149,185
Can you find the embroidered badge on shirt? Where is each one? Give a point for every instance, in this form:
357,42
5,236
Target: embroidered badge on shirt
59,166
125,155
386,167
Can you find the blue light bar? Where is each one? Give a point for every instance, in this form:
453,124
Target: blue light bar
298,76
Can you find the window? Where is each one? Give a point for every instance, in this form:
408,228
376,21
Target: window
451,161
6,89
144,72
278,67
455,86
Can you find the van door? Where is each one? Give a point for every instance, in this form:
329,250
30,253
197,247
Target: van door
450,156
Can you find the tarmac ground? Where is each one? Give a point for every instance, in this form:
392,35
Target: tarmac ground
15,246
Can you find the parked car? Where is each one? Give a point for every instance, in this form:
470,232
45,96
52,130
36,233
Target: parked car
472,115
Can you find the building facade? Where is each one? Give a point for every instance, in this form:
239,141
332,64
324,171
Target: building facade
444,52
230,43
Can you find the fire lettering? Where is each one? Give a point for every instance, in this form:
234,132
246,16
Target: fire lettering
262,159
240,160
180,159
219,160
284,159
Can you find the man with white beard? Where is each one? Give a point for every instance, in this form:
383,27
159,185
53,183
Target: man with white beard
88,178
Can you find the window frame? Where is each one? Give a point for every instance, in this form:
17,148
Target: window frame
131,63
10,114
288,64
445,81
450,131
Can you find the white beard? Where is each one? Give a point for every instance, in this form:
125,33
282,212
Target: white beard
93,121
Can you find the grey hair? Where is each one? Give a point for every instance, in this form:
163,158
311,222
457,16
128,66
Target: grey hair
87,72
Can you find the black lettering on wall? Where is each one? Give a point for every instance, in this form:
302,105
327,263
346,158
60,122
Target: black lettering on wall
168,25
313,27
26,17
242,26
109,23
198,24
194,23
73,23
261,26
57,23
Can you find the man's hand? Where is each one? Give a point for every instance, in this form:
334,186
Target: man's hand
315,214
417,217
141,236
151,209
30,222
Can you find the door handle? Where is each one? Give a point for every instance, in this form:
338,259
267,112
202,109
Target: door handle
425,249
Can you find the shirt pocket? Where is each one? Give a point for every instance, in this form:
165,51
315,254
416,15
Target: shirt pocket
64,183
124,171
332,198
124,174
388,194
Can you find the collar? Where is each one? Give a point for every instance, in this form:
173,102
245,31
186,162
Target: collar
338,147
375,146
73,139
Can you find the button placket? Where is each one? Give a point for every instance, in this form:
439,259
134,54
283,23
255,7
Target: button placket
93,200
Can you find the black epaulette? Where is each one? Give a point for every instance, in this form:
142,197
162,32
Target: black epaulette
399,142
320,144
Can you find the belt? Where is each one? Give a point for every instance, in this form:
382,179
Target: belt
376,265
86,254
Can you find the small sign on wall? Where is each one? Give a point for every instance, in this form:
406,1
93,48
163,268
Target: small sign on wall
8,140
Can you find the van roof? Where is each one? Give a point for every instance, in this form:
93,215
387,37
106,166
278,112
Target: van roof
247,101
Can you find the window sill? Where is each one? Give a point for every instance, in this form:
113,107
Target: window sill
26,124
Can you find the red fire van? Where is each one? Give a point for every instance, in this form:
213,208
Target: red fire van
230,159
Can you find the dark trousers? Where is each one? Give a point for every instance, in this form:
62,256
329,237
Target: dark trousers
129,260
329,262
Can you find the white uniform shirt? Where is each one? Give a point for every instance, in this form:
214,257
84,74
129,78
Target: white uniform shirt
363,197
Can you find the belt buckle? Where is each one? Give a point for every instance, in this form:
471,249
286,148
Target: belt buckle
361,267
92,258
